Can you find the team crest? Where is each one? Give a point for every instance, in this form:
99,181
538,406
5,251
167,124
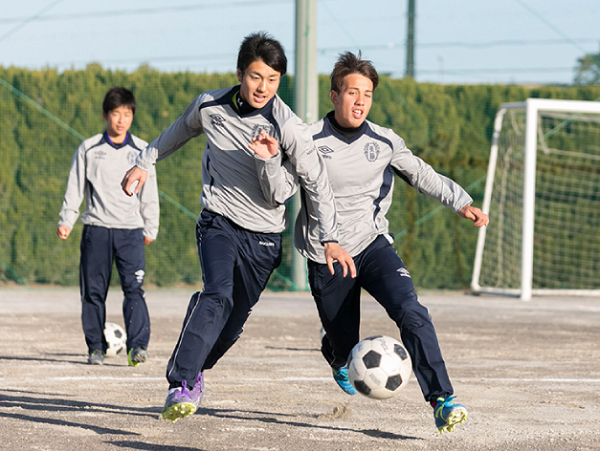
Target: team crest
132,157
260,127
371,151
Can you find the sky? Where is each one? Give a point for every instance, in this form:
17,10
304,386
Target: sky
457,42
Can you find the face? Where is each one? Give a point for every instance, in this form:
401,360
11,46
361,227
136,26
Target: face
118,122
353,102
259,83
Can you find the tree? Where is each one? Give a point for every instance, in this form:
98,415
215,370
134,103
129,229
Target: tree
588,71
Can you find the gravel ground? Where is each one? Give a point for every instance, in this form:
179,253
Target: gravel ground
529,373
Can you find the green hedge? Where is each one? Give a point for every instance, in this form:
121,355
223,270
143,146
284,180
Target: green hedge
448,126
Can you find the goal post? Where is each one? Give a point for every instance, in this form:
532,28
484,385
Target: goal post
542,194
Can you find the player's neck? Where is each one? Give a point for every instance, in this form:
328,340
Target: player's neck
242,105
117,141
346,132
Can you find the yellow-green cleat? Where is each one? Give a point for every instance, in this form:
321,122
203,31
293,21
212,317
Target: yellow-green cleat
447,414
137,355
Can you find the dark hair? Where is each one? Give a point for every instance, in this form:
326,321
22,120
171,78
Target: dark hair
262,46
116,97
349,63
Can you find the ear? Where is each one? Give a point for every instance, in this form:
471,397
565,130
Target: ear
333,96
104,116
240,75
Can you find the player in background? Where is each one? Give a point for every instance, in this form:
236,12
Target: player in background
116,227
239,229
361,159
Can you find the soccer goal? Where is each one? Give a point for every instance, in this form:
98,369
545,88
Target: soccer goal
542,195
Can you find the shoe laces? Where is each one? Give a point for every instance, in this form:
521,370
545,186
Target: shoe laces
184,388
447,401
341,372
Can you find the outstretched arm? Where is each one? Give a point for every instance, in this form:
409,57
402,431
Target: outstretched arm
479,218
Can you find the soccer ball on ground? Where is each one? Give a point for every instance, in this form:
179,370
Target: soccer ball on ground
379,367
116,338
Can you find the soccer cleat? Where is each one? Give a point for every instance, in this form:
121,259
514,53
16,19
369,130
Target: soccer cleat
341,377
447,414
96,357
182,402
137,355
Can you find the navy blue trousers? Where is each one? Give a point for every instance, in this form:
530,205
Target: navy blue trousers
236,266
100,246
381,272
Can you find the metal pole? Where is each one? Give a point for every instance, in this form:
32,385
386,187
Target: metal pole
306,101
410,40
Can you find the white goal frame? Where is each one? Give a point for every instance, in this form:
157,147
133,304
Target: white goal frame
532,108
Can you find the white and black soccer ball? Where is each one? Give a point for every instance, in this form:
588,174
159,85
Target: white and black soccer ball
379,367
116,338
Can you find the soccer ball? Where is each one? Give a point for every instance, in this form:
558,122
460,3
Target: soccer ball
379,367
116,339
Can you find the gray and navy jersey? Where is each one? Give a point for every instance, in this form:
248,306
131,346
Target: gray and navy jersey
237,183
96,172
361,173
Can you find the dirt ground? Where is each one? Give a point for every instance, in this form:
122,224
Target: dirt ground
529,373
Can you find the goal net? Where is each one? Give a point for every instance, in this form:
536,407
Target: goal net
543,198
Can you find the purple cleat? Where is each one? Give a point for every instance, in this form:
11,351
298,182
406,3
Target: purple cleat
182,402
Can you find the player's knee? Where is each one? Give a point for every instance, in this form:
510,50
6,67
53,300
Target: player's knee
219,294
413,315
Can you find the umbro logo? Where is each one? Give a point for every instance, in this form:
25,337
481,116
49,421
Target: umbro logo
217,120
325,149
265,243
139,275
403,272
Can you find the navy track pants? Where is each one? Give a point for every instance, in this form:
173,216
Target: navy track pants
381,272
100,246
236,266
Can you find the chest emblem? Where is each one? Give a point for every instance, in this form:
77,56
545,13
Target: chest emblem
132,157
371,151
260,127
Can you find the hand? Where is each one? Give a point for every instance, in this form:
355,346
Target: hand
147,241
335,252
63,232
265,146
479,218
135,174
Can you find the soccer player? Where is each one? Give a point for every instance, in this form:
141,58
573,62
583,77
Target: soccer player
116,227
249,132
361,159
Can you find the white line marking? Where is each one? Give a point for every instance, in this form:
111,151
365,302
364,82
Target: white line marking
508,379
105,378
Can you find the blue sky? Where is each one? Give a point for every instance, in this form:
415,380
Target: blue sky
466,41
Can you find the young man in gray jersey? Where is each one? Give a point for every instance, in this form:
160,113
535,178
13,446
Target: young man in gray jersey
116,227
361,159
239,230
